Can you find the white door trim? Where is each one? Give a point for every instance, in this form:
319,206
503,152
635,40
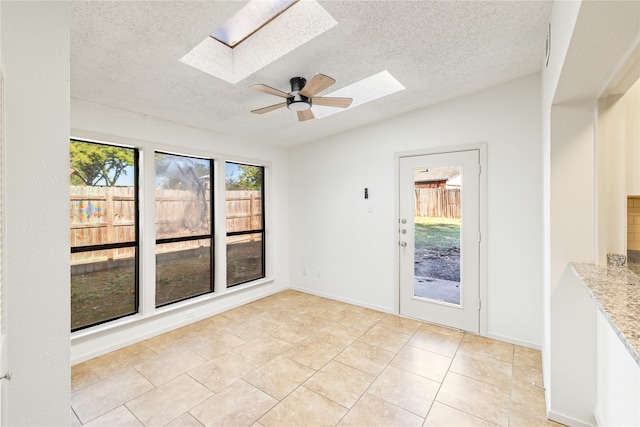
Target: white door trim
482,212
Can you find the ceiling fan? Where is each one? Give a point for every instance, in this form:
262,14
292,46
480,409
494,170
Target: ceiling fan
302,96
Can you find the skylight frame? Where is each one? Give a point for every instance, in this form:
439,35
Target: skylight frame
248,17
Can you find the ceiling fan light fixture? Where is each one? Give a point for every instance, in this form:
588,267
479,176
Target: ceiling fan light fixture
298,103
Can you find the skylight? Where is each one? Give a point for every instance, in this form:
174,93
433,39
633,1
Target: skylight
286,32
366,90
253,16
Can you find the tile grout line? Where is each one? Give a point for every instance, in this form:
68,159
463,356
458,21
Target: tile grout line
386,366
445,376
134,415
374,380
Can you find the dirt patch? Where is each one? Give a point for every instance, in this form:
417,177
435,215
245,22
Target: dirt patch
437,262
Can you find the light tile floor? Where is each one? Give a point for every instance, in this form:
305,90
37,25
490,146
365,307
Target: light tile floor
294,359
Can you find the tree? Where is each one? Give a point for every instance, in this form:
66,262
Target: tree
176,172
249,178
190,175
92,163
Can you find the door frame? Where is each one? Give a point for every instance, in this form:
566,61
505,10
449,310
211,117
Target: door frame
482,214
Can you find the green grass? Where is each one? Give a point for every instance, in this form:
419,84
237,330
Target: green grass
105,295
101,296
438,233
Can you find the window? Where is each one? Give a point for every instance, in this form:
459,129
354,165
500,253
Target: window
104,233
105,230
184,228
245,223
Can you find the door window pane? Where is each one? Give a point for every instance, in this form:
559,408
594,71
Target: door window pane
245,223
437,233
103,233
184,250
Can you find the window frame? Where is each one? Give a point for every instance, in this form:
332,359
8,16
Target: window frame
108,246
210,236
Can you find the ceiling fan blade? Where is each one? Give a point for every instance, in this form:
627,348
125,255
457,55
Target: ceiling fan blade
318,83
305,115
269,108
270,90
332,102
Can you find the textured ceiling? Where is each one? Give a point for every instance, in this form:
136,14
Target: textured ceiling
127,55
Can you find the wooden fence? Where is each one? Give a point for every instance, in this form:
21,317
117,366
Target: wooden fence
437,202
107,215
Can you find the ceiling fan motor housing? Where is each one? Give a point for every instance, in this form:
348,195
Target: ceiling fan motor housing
298,102
297,83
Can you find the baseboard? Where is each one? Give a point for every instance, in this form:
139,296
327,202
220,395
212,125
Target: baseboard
341,299
119,336
515,341
498,337
568,421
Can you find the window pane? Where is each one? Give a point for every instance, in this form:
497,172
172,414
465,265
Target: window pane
103,206
103,214
183,203
437,231
245,258
183,270
244,197
103,287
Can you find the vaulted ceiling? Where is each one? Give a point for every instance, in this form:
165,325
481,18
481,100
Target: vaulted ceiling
127,55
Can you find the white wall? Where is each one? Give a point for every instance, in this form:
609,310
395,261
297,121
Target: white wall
632,133
589,42
571,388
349,253
618,150
563,17
613,197
35,65
108,124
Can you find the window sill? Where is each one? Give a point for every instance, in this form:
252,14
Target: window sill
178,307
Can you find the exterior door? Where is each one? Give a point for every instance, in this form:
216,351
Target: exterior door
439,239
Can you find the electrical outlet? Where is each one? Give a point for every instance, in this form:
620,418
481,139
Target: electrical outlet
304,271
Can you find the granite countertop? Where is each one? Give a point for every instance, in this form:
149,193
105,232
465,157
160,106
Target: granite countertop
616,292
